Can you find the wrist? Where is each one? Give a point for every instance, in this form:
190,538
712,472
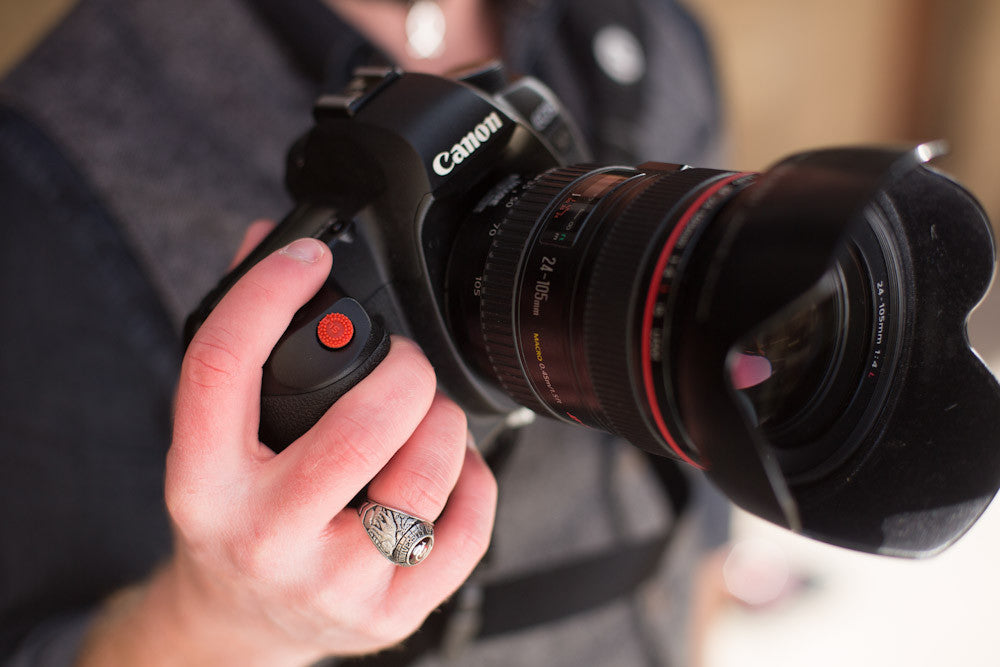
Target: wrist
167,622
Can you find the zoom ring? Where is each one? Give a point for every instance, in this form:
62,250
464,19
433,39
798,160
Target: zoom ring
500,280
623,267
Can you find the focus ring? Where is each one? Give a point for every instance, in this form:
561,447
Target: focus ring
616,299
500,280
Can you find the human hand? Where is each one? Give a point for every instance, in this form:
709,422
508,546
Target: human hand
270,565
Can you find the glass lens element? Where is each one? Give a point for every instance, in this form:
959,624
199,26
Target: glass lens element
801,368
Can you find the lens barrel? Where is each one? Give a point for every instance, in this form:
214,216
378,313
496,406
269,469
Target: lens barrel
588,272
576,294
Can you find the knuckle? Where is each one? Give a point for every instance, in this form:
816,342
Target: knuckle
374,616
186,506
413,370
183,510
259,291
348,446
474,546
329,600
423,491
355,443
490,491
476,537
211,360
258,555
479,544
481,509
453,420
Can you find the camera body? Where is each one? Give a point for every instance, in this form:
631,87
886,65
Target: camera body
413,155
624,298
385,177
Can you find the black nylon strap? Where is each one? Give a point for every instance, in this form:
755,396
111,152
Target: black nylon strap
543,596
540,597
583,584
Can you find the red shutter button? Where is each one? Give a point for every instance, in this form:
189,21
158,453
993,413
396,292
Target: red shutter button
335,331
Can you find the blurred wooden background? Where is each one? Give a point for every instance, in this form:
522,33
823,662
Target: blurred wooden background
799,74
23,22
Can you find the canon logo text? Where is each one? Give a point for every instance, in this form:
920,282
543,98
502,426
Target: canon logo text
445,161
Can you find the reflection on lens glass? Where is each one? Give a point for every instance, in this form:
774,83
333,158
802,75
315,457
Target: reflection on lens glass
813,354
749,370
803,350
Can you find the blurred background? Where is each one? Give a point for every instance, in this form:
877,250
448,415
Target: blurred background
797,74
800,74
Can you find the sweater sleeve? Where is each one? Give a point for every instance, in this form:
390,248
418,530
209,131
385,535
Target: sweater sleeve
55,643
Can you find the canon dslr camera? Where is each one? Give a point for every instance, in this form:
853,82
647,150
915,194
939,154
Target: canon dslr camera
799,334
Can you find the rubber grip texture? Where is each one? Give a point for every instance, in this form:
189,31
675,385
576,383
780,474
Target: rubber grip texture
285,418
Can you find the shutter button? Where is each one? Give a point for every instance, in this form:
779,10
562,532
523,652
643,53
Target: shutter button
335,331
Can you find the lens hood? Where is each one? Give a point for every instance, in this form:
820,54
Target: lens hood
922,466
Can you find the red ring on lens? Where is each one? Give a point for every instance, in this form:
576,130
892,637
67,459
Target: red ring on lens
647,319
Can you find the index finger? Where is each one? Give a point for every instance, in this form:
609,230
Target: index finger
218,396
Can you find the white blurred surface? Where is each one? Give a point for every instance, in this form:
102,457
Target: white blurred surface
872,611
864,610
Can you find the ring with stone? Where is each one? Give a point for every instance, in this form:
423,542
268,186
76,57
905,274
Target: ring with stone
402,538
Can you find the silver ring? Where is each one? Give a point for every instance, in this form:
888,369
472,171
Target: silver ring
402,538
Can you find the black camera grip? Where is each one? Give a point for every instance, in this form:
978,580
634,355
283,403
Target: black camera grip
330,346
284,418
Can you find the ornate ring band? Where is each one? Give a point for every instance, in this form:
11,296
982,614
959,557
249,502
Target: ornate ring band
402,538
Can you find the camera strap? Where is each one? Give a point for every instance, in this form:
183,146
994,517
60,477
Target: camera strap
518,602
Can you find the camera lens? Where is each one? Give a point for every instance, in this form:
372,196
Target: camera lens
573,283
572,297
815,354
807,349
802,352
